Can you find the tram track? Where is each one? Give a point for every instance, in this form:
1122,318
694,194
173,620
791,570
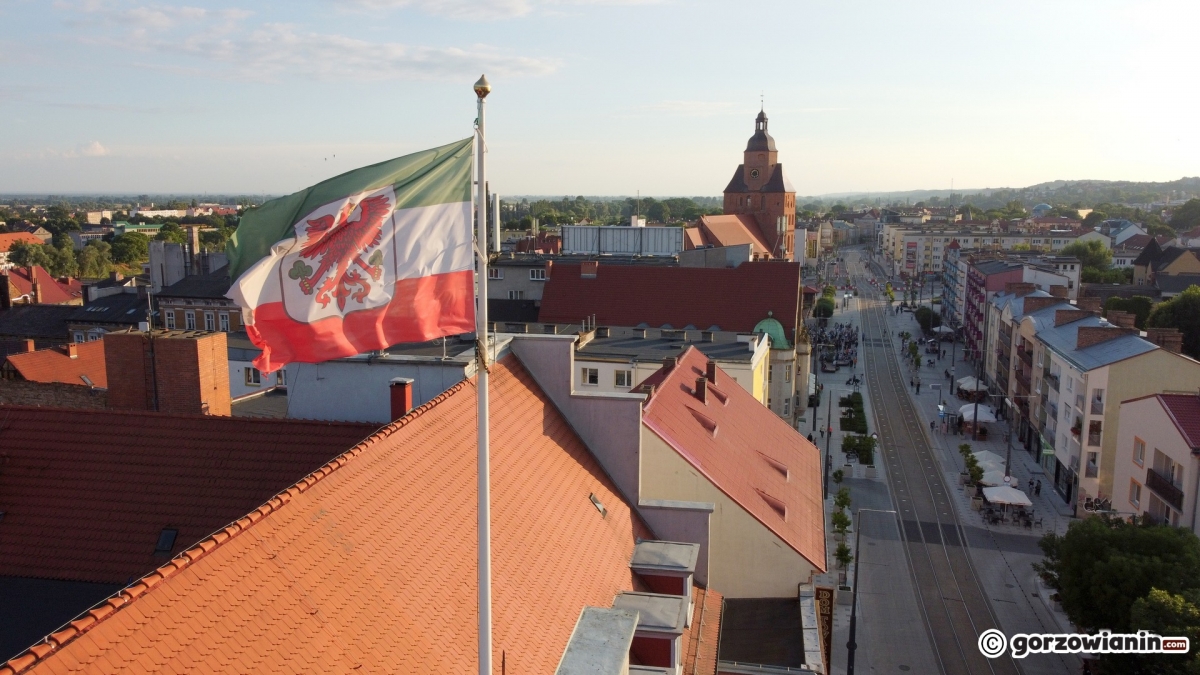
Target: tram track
953,603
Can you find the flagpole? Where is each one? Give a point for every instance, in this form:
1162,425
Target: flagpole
482,89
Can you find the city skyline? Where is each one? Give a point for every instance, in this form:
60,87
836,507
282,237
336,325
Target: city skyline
598,98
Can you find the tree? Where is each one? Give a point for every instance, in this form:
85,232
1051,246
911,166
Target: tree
843,554
927,318
842,499
25,254
841,522
1182,312
1187,216
823,309
1102,565
1139,305
95,260
1064,212
1094,218
62,261
131,248
1092,254
1168,614
171,232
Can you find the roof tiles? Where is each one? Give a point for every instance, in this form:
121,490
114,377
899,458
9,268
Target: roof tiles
7,239
53,291
744,449
370,561
58,365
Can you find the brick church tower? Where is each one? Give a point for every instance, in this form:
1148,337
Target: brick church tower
760,189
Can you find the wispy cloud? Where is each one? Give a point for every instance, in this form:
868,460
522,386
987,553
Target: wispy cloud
481,10
93,149
222,44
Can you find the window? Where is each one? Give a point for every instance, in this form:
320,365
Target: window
170,314
786,407
224,322
1097,401
1139,451
210,322
538,274
253,377
516,295
78,336
189,320
281,377
92,337
1135,493
623,378
787,373
495,273
770,374
1092,469
166,540
590,376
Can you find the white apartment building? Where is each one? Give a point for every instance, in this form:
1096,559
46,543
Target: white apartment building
909,250
1157,469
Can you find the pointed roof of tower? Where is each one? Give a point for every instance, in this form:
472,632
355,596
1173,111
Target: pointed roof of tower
761,140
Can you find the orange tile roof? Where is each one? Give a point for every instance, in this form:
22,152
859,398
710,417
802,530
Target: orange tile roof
54,292
731,230
57,365
370,561
86,493
7,239
702,638
744,449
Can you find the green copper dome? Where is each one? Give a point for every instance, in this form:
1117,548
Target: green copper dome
775,330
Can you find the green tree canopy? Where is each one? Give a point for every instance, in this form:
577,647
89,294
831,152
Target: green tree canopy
1187,216
1102,565
95,260
1092,254
25,254
131,248
1139,305
171,232
1182,312
1168,614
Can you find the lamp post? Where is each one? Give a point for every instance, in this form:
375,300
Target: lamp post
851,645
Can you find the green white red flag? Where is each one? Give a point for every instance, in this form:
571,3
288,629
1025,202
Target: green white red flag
365,260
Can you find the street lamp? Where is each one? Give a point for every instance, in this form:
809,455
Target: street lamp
851,645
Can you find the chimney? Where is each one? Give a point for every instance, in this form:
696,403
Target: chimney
1034,304
29,346
1169,339
588,269
1019,288
194,245
402,396
710,371
549,268
116,276
37,287
1058,291
73,350
1094,335
168,371
1122,319
669,364
1089,303
1065,316
702,390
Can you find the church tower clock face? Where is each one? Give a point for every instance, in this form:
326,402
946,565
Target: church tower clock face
754,173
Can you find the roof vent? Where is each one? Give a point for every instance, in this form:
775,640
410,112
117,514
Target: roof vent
599,506
776,505
702,390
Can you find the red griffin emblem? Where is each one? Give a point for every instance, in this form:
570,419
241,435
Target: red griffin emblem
340,245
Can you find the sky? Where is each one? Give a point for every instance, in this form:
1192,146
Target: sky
596,97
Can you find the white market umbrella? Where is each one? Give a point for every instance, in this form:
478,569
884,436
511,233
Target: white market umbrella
1006,495
988,457
943,329
986,414
992,477
969,384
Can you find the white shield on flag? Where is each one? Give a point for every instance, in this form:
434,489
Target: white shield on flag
341,260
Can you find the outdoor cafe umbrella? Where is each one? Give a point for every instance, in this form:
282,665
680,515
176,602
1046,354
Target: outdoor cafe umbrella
943,329
986,414
969,384
1006,495
985,457
992,477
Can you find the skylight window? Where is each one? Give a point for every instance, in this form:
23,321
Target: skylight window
599,506
166,540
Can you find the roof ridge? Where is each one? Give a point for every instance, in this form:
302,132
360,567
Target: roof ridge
133,591
189,416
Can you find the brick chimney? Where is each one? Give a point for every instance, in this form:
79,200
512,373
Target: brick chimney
1059,291
1065,316
401,389
1019,288
549,268
37,286
168,371
702,390
669,363
73,350
1034,304
1094,335
1122,319
1089,303
29,346
588,269
1169,339
710,371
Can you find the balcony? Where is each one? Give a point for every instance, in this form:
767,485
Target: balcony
1022,379
1094,430
1026,356
1053,380
1165,489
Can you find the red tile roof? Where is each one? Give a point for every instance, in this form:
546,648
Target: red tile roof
57,365
86,493
744,449
1136,242
627,295
371,560
7,239
702,638
54,292
1184,411
732,230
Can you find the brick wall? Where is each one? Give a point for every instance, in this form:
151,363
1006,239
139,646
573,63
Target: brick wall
51,394
175,372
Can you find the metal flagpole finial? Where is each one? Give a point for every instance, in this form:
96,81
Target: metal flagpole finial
483,87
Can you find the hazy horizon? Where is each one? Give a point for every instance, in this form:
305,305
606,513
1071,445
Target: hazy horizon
602,97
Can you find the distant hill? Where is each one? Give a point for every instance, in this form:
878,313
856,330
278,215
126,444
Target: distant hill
1086,193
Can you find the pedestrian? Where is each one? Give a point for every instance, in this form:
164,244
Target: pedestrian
911,383
932,426
822,432
810,438
1037,491
918,385
1031,483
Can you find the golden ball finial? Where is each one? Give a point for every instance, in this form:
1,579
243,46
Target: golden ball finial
483,87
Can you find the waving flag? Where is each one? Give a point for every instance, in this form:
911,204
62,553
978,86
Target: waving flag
371,258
